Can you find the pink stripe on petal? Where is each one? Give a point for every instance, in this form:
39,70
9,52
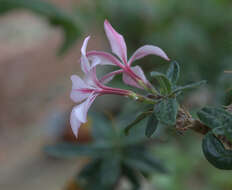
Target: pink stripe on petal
79,113
94,78
129,81
148,50
139,73
77,84
105,58
81,110
117,41
108,77
78,96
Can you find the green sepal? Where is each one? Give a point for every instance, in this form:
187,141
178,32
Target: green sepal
173,72
216,153
166,111
152,124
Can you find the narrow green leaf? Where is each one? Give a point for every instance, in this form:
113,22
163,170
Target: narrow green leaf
152,124
66,150
143,161
90,168
189,86
132,176
89,177
164,83
216,153
56,17
110,170
139,118
166,111
173,72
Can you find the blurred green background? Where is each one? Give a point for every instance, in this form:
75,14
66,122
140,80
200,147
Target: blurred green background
35,109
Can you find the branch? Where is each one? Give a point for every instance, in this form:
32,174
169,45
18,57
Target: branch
185,122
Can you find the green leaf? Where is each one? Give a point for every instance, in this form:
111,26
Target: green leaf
110,170
214,117
166,111
152,124
132,176
142,160
139,118
90,168
89,177
66,150
216,153
173,72
56,17
164,83
217,119
189,86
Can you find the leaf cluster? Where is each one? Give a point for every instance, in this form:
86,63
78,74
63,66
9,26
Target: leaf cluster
220,122
113,155
166,109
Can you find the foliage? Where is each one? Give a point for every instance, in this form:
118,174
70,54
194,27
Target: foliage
166,108
53,14
216,153
112,154
220,121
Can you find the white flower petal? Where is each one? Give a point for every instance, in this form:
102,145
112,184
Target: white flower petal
84,46
103,58
77,82
116,40
108,77
77,85
81,110
85,65
148,50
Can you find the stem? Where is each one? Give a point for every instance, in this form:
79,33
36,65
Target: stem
185,122
140,98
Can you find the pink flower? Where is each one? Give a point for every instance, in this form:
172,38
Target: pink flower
131,75
85,91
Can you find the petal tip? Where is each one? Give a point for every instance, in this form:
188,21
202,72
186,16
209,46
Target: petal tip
72,77
84,46
106,22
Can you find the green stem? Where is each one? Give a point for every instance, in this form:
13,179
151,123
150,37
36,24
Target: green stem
140,98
